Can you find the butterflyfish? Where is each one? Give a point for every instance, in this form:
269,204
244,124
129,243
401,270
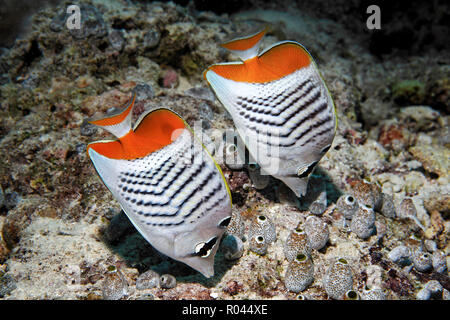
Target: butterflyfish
166,182
280,105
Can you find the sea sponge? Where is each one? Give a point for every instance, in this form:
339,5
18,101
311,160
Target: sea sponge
387,206
114,285
400,254
367,193
373,294
422,261
423,294
147,280
407,210
233,247
258,244
296,242
439,261
258,178
338,279
351,295
234,156
167,281
317,232
263,225
347,205
432,289
319,205
299,273
363,222
236,226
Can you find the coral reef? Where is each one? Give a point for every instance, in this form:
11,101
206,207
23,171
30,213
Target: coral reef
375,219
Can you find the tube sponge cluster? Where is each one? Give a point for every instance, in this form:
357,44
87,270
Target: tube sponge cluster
262,232
360,206
363,222
299,244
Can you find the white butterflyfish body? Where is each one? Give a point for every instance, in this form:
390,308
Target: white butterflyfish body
280,106
167,183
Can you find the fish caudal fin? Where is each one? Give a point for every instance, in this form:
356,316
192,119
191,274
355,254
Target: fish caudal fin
246,47
118,124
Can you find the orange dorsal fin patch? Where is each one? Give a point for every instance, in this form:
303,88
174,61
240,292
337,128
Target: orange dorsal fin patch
118,124
155,130
278,61
245,47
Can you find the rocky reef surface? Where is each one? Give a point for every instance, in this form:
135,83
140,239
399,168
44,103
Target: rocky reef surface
63,236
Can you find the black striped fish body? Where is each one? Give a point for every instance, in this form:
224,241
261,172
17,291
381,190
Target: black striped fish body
286,120
175,196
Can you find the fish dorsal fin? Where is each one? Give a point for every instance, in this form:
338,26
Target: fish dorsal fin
154,130
118,124
159,126
245,47
277,61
